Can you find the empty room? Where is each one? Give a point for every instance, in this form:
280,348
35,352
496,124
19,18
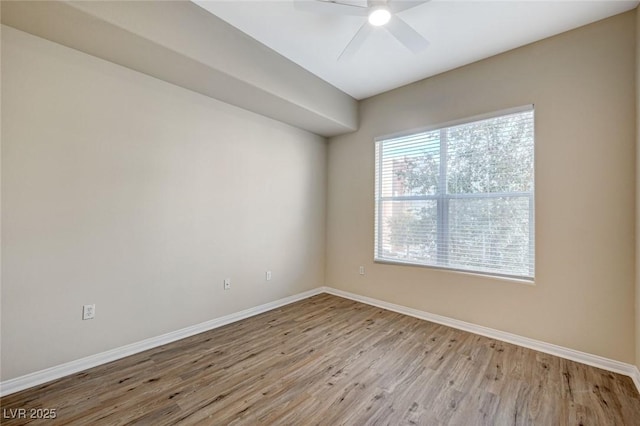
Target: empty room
311,212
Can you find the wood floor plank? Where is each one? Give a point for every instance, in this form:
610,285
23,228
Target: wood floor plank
332,361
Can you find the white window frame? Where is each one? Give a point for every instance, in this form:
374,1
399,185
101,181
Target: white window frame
442,198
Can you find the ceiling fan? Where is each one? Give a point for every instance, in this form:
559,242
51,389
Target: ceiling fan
380,13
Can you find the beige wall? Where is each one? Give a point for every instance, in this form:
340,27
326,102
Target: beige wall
583,297
638,187
141,197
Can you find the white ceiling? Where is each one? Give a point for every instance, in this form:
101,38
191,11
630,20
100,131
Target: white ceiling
460,32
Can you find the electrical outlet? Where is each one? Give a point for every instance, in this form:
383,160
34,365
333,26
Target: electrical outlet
88,312
362,270
227,283
268,275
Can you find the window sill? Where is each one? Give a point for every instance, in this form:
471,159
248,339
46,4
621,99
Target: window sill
517,280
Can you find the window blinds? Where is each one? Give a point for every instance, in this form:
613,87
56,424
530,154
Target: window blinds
459,197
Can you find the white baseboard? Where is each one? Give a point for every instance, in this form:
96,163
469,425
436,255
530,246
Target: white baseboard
39,377
635,376
549,348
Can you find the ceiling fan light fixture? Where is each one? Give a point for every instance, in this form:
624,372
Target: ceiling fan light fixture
379,17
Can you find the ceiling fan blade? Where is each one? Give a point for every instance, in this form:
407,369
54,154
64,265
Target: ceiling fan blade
356,42
329,8
396,6
406,35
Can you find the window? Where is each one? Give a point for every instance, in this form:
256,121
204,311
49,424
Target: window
459,196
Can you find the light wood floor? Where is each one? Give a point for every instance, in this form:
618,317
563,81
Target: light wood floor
330,361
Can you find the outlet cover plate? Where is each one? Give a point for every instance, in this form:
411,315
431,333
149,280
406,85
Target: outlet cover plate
88,312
